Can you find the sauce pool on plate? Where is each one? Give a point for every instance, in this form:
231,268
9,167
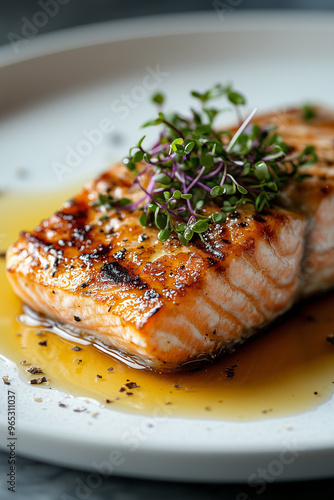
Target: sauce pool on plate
287,370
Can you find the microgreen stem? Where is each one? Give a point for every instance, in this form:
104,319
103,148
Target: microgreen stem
240,130
170,125
186,173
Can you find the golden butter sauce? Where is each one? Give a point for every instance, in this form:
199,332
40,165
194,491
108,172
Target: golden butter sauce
288,370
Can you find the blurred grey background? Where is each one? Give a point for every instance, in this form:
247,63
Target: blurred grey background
15,14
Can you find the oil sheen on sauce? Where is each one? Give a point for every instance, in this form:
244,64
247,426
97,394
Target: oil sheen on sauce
288,370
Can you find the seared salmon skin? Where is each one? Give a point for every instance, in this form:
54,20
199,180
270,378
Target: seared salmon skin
169,306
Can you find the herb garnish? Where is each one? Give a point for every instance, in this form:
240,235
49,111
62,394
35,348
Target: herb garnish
194,164
308,112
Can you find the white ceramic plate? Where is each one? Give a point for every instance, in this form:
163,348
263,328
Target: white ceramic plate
58,86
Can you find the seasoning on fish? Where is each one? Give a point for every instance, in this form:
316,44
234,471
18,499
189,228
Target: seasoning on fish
172,299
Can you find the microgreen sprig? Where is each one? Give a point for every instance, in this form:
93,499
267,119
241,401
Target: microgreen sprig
193,165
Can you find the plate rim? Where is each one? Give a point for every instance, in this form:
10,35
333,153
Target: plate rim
143,27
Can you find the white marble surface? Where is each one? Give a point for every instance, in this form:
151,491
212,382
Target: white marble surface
40,481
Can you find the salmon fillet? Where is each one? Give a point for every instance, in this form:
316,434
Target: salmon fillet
314,197
168,306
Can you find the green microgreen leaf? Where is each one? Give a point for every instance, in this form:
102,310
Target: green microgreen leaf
308,112
153,123
129,163
188,234
182,239
140,142
147,157
228,209
308,156
233,200
200,226
158,98
181,227
123,202
217,191
229,188
261,171
236,98
161,221
206,160
138,156
241,189
143,219
106,200
195,166
272,185
218,217
164,234
162,179
189,146
152,207
246,170
175,144
278,153
261,201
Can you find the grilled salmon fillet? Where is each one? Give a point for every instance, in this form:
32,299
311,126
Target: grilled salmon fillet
168,306
314,197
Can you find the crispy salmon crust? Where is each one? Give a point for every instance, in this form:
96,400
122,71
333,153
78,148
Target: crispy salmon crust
165,305
314,197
